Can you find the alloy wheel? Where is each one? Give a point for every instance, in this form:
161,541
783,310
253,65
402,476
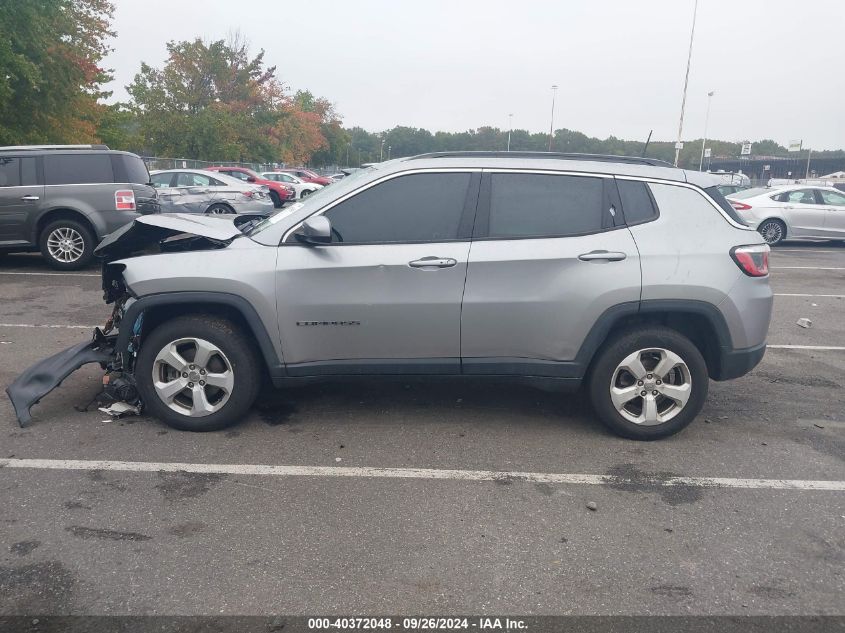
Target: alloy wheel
65,244
650,386
772,232
193,377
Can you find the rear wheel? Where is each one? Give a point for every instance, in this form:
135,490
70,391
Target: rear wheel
219,209
773,231
67,244
198,373
648,383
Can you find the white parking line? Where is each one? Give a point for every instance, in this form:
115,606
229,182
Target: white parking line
796,294
421,473
808,347
5,272
807,268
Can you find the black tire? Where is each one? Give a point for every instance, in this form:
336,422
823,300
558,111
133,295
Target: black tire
73,227
236,346
218,208
305,193
277,201
612,354
773,231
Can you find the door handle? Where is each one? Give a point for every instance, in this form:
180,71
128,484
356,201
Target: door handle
30,198
433,262
605,256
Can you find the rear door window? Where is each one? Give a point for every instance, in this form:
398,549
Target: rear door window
546,205
77,169
832,197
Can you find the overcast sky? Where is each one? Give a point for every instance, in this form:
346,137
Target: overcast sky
775,65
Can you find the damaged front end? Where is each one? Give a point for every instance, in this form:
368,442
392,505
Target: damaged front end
115,345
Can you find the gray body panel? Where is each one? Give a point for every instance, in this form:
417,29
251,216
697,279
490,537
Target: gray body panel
340,302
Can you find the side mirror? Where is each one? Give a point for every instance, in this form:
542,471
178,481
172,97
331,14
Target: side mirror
315,230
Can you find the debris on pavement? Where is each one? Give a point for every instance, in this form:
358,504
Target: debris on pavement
120,409
804,322
591,505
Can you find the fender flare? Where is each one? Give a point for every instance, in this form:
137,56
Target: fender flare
241,305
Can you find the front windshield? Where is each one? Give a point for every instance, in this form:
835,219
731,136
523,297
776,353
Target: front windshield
313,201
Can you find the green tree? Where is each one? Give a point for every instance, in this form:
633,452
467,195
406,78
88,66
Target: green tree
50,74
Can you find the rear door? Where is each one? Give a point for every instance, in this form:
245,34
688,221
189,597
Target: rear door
20,198
804,211
385,295
550,255
834,223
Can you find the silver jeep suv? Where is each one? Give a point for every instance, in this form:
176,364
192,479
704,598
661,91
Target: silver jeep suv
626,275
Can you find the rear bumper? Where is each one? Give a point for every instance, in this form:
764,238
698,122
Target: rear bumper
45,375
738,362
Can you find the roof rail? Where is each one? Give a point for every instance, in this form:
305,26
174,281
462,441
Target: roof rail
604,158
24,148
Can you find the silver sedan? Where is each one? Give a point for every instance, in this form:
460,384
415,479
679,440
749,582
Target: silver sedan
199,191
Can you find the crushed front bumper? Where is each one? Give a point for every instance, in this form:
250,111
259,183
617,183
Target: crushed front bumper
45,375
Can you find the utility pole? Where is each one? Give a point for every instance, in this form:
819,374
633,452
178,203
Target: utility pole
807,173
686,82
706,119
388,152
381,151
510,128
552,124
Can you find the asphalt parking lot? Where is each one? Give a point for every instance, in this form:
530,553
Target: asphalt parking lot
426,497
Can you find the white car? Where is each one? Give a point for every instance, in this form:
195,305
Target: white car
208,192
302,188
779,213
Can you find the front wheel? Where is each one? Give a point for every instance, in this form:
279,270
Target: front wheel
198,373
773,231
304,194
648,383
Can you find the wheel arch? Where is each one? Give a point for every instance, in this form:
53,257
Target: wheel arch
158,308
62,213
699,321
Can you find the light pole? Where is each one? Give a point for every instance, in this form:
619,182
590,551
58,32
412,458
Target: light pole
686,82
510,128
552,123
381,151
706,119
388,152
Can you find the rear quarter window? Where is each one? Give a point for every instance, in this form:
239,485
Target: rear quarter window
719,199
128,168
77,169
637,203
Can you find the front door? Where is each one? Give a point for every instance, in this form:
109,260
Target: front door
385,295
20,196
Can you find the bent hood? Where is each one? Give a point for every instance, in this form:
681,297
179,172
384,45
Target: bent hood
147,230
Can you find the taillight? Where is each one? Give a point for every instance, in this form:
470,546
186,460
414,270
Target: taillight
124,200
739,206
752,260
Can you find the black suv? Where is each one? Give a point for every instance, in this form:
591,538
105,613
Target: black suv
62,199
